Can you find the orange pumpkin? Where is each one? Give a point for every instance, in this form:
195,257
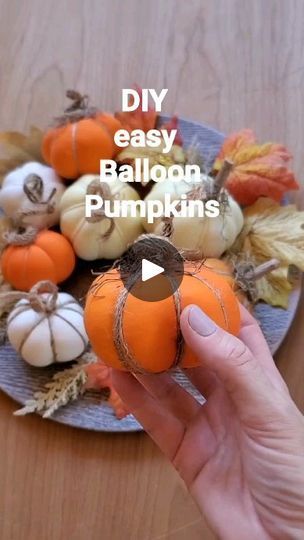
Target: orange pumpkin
83,137
149,335
49,257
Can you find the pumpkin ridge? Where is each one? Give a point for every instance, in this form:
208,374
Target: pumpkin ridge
74,146
72,208
24,340
26,254
66,304
217,294
69,309
103,126
74,328
19,311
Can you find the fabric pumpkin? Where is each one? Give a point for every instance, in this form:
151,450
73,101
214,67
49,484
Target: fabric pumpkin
98,237
149,337
30,195
207,236
82,138
45,255
47,327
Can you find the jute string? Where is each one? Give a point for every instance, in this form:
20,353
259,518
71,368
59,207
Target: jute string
96,187
20,236
131,274
37,302
78,110
126,357
33,188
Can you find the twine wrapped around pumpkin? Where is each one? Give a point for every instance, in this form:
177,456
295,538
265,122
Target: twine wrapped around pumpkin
33,188
130,272
203,193
96,187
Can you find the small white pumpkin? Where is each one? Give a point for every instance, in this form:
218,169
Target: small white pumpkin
206,236
30,195
47,328
98,237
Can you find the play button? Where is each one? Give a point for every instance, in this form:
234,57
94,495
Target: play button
151,269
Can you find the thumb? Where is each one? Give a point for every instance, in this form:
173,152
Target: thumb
228,357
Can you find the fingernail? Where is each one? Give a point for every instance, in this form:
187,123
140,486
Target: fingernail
201,323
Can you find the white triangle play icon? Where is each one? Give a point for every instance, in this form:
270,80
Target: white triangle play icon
150,270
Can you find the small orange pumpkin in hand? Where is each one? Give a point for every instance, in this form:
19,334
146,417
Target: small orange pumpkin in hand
148,338
82,138
33,257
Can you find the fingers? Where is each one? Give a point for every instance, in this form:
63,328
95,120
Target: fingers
171,396
203,379
164,428
251,334
231,360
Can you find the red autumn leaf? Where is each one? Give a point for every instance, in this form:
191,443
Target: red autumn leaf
173,124
137,119
259,169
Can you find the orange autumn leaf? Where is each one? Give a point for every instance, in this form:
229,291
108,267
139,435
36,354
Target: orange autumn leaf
99,376
259,169
137,119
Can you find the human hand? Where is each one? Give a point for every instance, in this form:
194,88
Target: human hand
241,453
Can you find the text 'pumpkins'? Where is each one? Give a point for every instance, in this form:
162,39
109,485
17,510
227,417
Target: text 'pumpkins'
145,336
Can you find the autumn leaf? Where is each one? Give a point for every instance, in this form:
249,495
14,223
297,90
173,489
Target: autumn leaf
19,148
275,288
259,169
137,119
273,231
99,376
173,124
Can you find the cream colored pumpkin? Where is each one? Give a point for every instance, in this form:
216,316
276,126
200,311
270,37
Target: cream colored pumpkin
207,236
101,237
43,338
30,195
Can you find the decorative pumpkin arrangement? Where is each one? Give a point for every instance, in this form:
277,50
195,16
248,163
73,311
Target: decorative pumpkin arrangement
233,261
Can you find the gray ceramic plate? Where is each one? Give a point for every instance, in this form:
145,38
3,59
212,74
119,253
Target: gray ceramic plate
20,381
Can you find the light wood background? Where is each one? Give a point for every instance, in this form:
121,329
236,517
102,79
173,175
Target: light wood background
229,63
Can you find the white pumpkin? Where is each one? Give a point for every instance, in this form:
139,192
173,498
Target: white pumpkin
206,236
30,195
99,237
43,337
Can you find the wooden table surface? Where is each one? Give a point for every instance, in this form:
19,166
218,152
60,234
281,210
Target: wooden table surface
228,63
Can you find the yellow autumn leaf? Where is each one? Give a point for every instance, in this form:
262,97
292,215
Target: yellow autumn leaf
18,148
274,288
273,231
